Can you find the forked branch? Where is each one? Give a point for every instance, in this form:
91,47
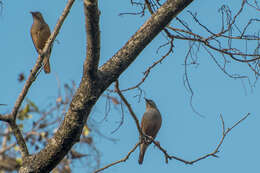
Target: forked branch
157,144
11,118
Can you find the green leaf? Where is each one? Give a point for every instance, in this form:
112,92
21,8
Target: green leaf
32,104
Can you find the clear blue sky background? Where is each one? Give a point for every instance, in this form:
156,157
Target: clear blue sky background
183,133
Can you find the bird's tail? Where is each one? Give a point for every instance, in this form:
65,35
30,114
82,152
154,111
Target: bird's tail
143,148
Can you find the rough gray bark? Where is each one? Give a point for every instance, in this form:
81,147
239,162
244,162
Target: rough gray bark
94,82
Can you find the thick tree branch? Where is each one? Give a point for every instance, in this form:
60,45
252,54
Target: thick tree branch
127,54
93,37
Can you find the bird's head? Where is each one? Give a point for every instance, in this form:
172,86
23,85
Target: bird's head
37,15
150,103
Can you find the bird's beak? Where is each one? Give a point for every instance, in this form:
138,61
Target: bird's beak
146,99
32,13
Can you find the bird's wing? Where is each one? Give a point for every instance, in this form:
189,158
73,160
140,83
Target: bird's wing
150,125
44,33
34,35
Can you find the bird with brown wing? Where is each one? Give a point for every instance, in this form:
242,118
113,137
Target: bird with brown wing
150,125
40,33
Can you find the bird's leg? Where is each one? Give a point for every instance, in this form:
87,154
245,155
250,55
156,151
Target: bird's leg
148,139
142,138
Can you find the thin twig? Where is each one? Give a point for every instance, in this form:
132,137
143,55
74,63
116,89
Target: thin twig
148,70
129,107
212,154
119,161
3,150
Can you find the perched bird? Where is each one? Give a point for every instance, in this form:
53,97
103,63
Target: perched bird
150,125
40,33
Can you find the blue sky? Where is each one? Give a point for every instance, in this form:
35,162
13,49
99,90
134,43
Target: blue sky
183,133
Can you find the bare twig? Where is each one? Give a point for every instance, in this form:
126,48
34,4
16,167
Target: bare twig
212,154
6,148
255,5
148,70
122,119
167,156
119,161
129,107
138,4
5,140
147,3
186,81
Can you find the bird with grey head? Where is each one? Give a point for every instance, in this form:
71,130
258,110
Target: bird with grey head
150,125
40,32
